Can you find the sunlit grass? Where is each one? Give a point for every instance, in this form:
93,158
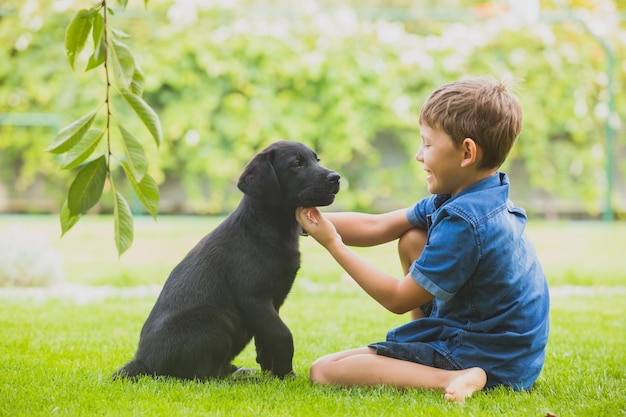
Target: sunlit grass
56,357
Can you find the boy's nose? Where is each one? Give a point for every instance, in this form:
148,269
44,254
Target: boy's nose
419,155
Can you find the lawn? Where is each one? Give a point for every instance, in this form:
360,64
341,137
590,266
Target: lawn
57,354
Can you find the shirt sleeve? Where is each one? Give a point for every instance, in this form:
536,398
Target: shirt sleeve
449,257
418,213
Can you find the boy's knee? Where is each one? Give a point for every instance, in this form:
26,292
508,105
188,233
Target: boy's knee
414,236
411,244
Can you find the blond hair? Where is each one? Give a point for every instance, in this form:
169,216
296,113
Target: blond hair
482,109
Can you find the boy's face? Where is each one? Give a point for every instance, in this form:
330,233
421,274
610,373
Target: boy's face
441,158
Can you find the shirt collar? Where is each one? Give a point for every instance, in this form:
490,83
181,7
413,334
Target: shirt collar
496,180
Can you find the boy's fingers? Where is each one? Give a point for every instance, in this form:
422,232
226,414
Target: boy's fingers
310,214
307,214
302,215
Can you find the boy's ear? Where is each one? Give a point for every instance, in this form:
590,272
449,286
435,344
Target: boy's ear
471,152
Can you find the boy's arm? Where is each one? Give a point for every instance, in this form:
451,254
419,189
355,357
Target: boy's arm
361,229
397,296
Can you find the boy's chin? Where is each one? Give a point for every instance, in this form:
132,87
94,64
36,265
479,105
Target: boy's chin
432,189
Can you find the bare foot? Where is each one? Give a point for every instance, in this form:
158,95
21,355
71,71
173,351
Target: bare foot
464,385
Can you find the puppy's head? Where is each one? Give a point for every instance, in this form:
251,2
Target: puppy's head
289,174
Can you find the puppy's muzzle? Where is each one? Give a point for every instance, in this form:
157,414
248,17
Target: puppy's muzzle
333,178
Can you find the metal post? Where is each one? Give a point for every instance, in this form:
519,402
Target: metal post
609,131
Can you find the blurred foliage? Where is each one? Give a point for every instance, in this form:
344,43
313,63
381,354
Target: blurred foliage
228,77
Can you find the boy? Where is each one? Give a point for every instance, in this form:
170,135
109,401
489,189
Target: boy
476,291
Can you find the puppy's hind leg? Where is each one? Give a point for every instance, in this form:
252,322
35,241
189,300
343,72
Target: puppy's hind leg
213,362
201,347
131,370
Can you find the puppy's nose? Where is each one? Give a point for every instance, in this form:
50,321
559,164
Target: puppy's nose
333,177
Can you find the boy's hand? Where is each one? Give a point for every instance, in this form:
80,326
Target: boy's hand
311,216
316,225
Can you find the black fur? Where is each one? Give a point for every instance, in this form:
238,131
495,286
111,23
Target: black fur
230,287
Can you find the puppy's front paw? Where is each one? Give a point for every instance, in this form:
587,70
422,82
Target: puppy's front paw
290,375
246,374
285,374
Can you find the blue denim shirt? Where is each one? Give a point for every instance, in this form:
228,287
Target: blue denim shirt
491,297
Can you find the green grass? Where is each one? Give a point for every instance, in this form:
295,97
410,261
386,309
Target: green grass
56,356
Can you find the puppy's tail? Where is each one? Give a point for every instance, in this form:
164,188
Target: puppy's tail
132,370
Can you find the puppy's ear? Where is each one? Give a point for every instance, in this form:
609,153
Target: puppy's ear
259,181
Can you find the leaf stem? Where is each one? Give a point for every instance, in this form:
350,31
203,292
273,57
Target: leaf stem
108,85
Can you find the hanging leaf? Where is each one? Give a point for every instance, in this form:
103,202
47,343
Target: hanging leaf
136,86
122,3
147,115
99,45
68,220
147,191
72,134
77,32
84,146
136,160
123,62
119,34
86,189
123,223
83,149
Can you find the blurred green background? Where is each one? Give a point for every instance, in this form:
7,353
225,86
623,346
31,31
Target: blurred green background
346,77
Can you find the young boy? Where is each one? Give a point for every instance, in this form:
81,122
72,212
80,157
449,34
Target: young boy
476,291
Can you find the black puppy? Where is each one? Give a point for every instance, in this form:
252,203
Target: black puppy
230,287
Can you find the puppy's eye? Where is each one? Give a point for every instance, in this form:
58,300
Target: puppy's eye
297,163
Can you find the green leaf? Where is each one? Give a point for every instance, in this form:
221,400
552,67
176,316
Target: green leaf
137,85
147,115
122,3
135,156
123,223
68,220
77,32
83,149
86,189
119,34
148,193
71,134
123,62
99,45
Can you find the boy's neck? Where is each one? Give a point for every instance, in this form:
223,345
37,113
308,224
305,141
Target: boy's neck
475,177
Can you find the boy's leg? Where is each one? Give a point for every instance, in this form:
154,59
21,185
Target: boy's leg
364,367
410,247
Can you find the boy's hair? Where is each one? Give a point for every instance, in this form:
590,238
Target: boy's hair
482,109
